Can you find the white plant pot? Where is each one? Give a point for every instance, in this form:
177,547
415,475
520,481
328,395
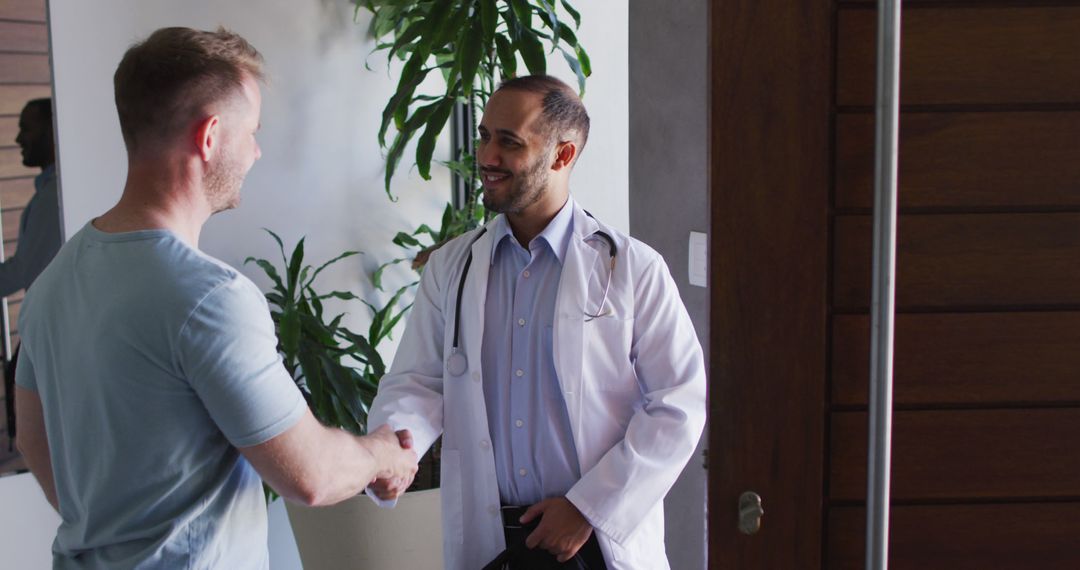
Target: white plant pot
357,534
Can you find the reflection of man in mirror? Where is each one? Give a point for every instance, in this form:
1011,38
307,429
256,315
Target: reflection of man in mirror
39,226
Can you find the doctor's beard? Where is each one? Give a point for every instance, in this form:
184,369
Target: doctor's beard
526,189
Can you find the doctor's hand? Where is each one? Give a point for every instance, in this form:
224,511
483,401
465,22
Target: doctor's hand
390,485
562,531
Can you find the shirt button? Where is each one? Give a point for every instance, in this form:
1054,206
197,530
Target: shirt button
522,472
484,443
521,322
476,376
519,423
493,510
519,373
526,273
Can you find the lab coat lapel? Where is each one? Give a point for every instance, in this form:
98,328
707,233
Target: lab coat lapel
567,340
474,297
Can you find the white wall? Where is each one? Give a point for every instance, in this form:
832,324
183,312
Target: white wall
321,171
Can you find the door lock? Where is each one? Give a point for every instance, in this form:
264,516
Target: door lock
750,512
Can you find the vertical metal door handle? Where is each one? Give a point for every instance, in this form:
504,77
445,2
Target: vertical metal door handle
750,512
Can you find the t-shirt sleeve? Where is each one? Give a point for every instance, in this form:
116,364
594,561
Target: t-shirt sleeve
24,371
227,350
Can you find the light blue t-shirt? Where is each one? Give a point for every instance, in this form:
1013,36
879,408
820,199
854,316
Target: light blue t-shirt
154,362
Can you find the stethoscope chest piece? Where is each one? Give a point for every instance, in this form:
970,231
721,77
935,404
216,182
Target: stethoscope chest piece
456,364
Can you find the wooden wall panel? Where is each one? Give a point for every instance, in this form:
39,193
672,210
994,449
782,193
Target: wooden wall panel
24,37
966,358
946,261
1022,536
13,313
21,68
9,129
11,164
11,223
966,160
964,454
16,193
983,56
14,97
9,248
33,10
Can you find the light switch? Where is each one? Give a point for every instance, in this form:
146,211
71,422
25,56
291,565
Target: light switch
699,259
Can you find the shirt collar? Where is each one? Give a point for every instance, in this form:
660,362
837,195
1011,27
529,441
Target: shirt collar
46,173
556,234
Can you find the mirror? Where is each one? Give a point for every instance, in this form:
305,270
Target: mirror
29,202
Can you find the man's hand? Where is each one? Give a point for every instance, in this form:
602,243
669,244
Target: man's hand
562,530
390,485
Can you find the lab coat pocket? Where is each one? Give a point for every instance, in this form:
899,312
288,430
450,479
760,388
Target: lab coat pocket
606,360
453,513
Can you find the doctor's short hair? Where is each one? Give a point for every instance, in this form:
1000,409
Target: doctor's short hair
163,81
564,114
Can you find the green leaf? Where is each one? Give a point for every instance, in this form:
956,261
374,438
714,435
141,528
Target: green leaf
281,246
411,76
552,21
405,38
316,330
447,28
295,263
583,60
574,14
469,53
565,33
521,12
425,146
376,278
269,269
289,332
507,59
405,240
384,21
573,63
350,413
329,263
389,325
378,329
343,295
488,19
532,51
275,299
315,304
393,157
444,224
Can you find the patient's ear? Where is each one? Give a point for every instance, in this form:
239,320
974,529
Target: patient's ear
208,137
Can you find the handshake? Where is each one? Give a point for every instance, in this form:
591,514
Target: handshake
396,461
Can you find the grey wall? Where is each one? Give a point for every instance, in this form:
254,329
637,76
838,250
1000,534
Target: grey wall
669,195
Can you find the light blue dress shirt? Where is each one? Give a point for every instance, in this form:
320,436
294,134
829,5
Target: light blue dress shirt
535,456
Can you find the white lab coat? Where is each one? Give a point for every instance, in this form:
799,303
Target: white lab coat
633,382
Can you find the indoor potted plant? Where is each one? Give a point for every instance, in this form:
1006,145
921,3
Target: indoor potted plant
338,372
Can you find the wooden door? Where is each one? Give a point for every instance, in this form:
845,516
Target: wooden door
986,461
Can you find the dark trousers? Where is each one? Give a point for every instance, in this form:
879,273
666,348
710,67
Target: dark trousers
519,557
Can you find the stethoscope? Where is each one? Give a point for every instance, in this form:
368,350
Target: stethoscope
457,364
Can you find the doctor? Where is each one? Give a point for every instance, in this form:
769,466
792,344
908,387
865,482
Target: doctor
555,356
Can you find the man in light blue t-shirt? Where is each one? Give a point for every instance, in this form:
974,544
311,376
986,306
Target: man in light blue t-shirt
150,395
